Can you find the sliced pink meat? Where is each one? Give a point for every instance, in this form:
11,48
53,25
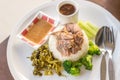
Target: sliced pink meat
69,39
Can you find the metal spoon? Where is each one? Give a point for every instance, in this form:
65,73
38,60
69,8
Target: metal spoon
99,40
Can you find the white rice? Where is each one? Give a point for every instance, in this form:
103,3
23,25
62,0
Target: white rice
73,57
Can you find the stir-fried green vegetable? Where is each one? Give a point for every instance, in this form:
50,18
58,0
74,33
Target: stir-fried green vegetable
43,60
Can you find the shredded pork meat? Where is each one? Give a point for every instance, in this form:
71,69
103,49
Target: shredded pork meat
69,39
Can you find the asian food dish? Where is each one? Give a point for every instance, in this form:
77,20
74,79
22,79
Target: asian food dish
69,43
68,48
63,46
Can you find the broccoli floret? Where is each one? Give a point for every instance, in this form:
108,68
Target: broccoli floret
72,68
67,65
93,49
91,43
77,64
74,71
87,62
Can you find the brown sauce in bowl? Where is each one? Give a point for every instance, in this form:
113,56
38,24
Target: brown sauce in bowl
67,9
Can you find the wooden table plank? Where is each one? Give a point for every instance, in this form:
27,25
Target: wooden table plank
112,6
4,71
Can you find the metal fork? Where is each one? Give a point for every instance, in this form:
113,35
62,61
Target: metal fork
110,45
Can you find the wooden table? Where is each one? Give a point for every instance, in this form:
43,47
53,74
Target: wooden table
110,5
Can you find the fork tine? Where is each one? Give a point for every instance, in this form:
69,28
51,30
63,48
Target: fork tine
112,33
107,37
104,36
109,33
113,38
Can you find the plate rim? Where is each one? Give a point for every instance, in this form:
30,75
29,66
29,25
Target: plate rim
10,66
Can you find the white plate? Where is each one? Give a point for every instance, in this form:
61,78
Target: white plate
17,52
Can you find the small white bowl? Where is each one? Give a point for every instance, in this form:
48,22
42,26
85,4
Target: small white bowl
72,18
